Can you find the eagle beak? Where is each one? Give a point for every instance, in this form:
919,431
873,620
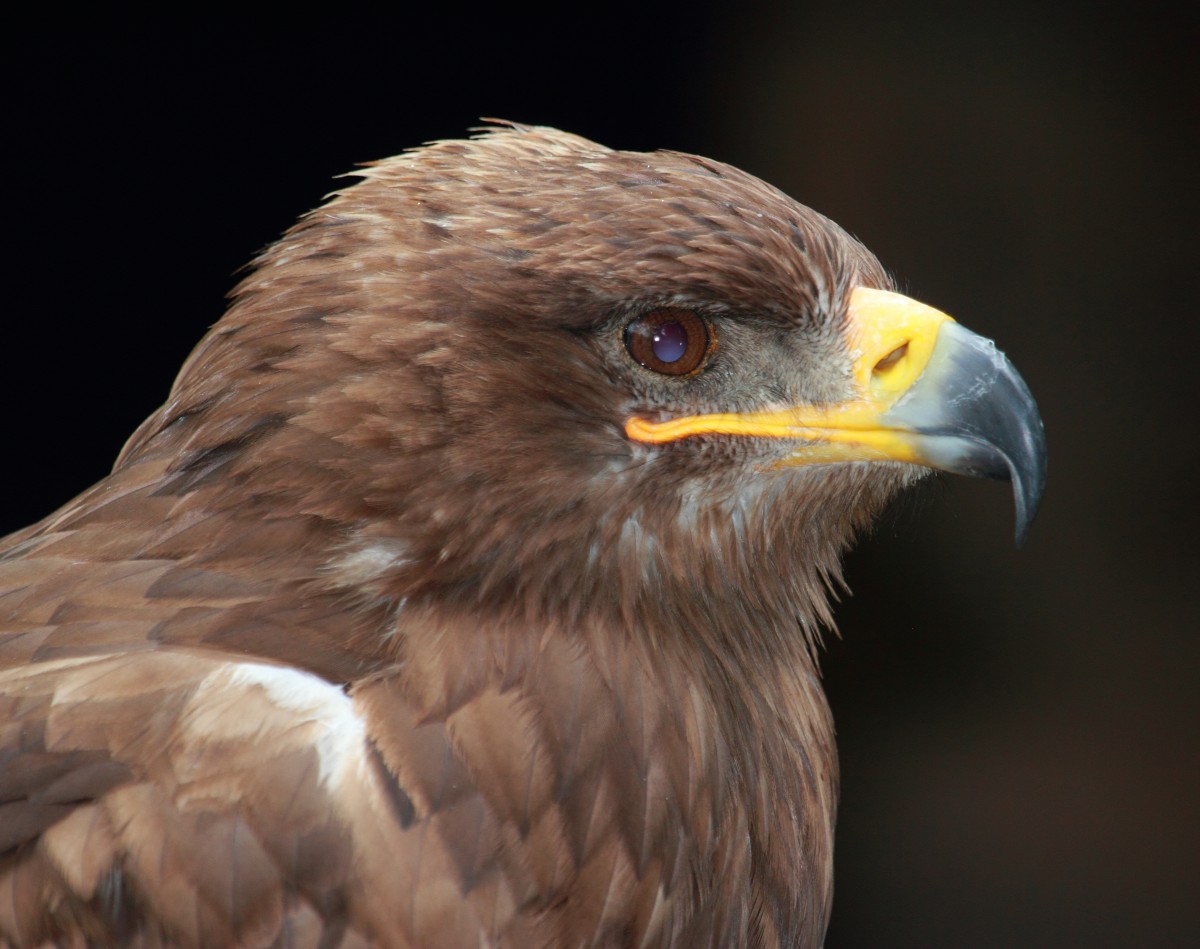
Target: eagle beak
928,392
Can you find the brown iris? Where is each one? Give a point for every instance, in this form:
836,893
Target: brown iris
673,342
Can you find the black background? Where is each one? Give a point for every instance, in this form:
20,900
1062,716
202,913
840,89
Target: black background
1018,728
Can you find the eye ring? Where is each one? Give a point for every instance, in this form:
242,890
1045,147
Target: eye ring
670,342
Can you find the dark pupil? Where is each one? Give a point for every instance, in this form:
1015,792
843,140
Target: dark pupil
670,341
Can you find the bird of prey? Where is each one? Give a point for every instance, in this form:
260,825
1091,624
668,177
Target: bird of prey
465,591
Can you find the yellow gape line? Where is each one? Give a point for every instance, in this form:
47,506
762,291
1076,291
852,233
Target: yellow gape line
891,340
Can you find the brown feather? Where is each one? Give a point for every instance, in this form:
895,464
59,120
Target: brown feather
381,632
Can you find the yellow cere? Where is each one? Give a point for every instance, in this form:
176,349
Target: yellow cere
883,324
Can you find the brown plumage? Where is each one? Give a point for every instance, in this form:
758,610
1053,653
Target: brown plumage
386,630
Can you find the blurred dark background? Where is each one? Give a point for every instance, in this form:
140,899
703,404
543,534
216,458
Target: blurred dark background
1019,729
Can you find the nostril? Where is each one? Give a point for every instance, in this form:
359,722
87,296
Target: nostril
888,361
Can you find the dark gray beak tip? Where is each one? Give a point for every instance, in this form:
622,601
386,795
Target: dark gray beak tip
1024,451
1027,496
974,415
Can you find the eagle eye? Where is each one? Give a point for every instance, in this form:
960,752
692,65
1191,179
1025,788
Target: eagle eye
672,342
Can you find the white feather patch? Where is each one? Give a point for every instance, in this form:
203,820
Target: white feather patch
314,712
367,563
